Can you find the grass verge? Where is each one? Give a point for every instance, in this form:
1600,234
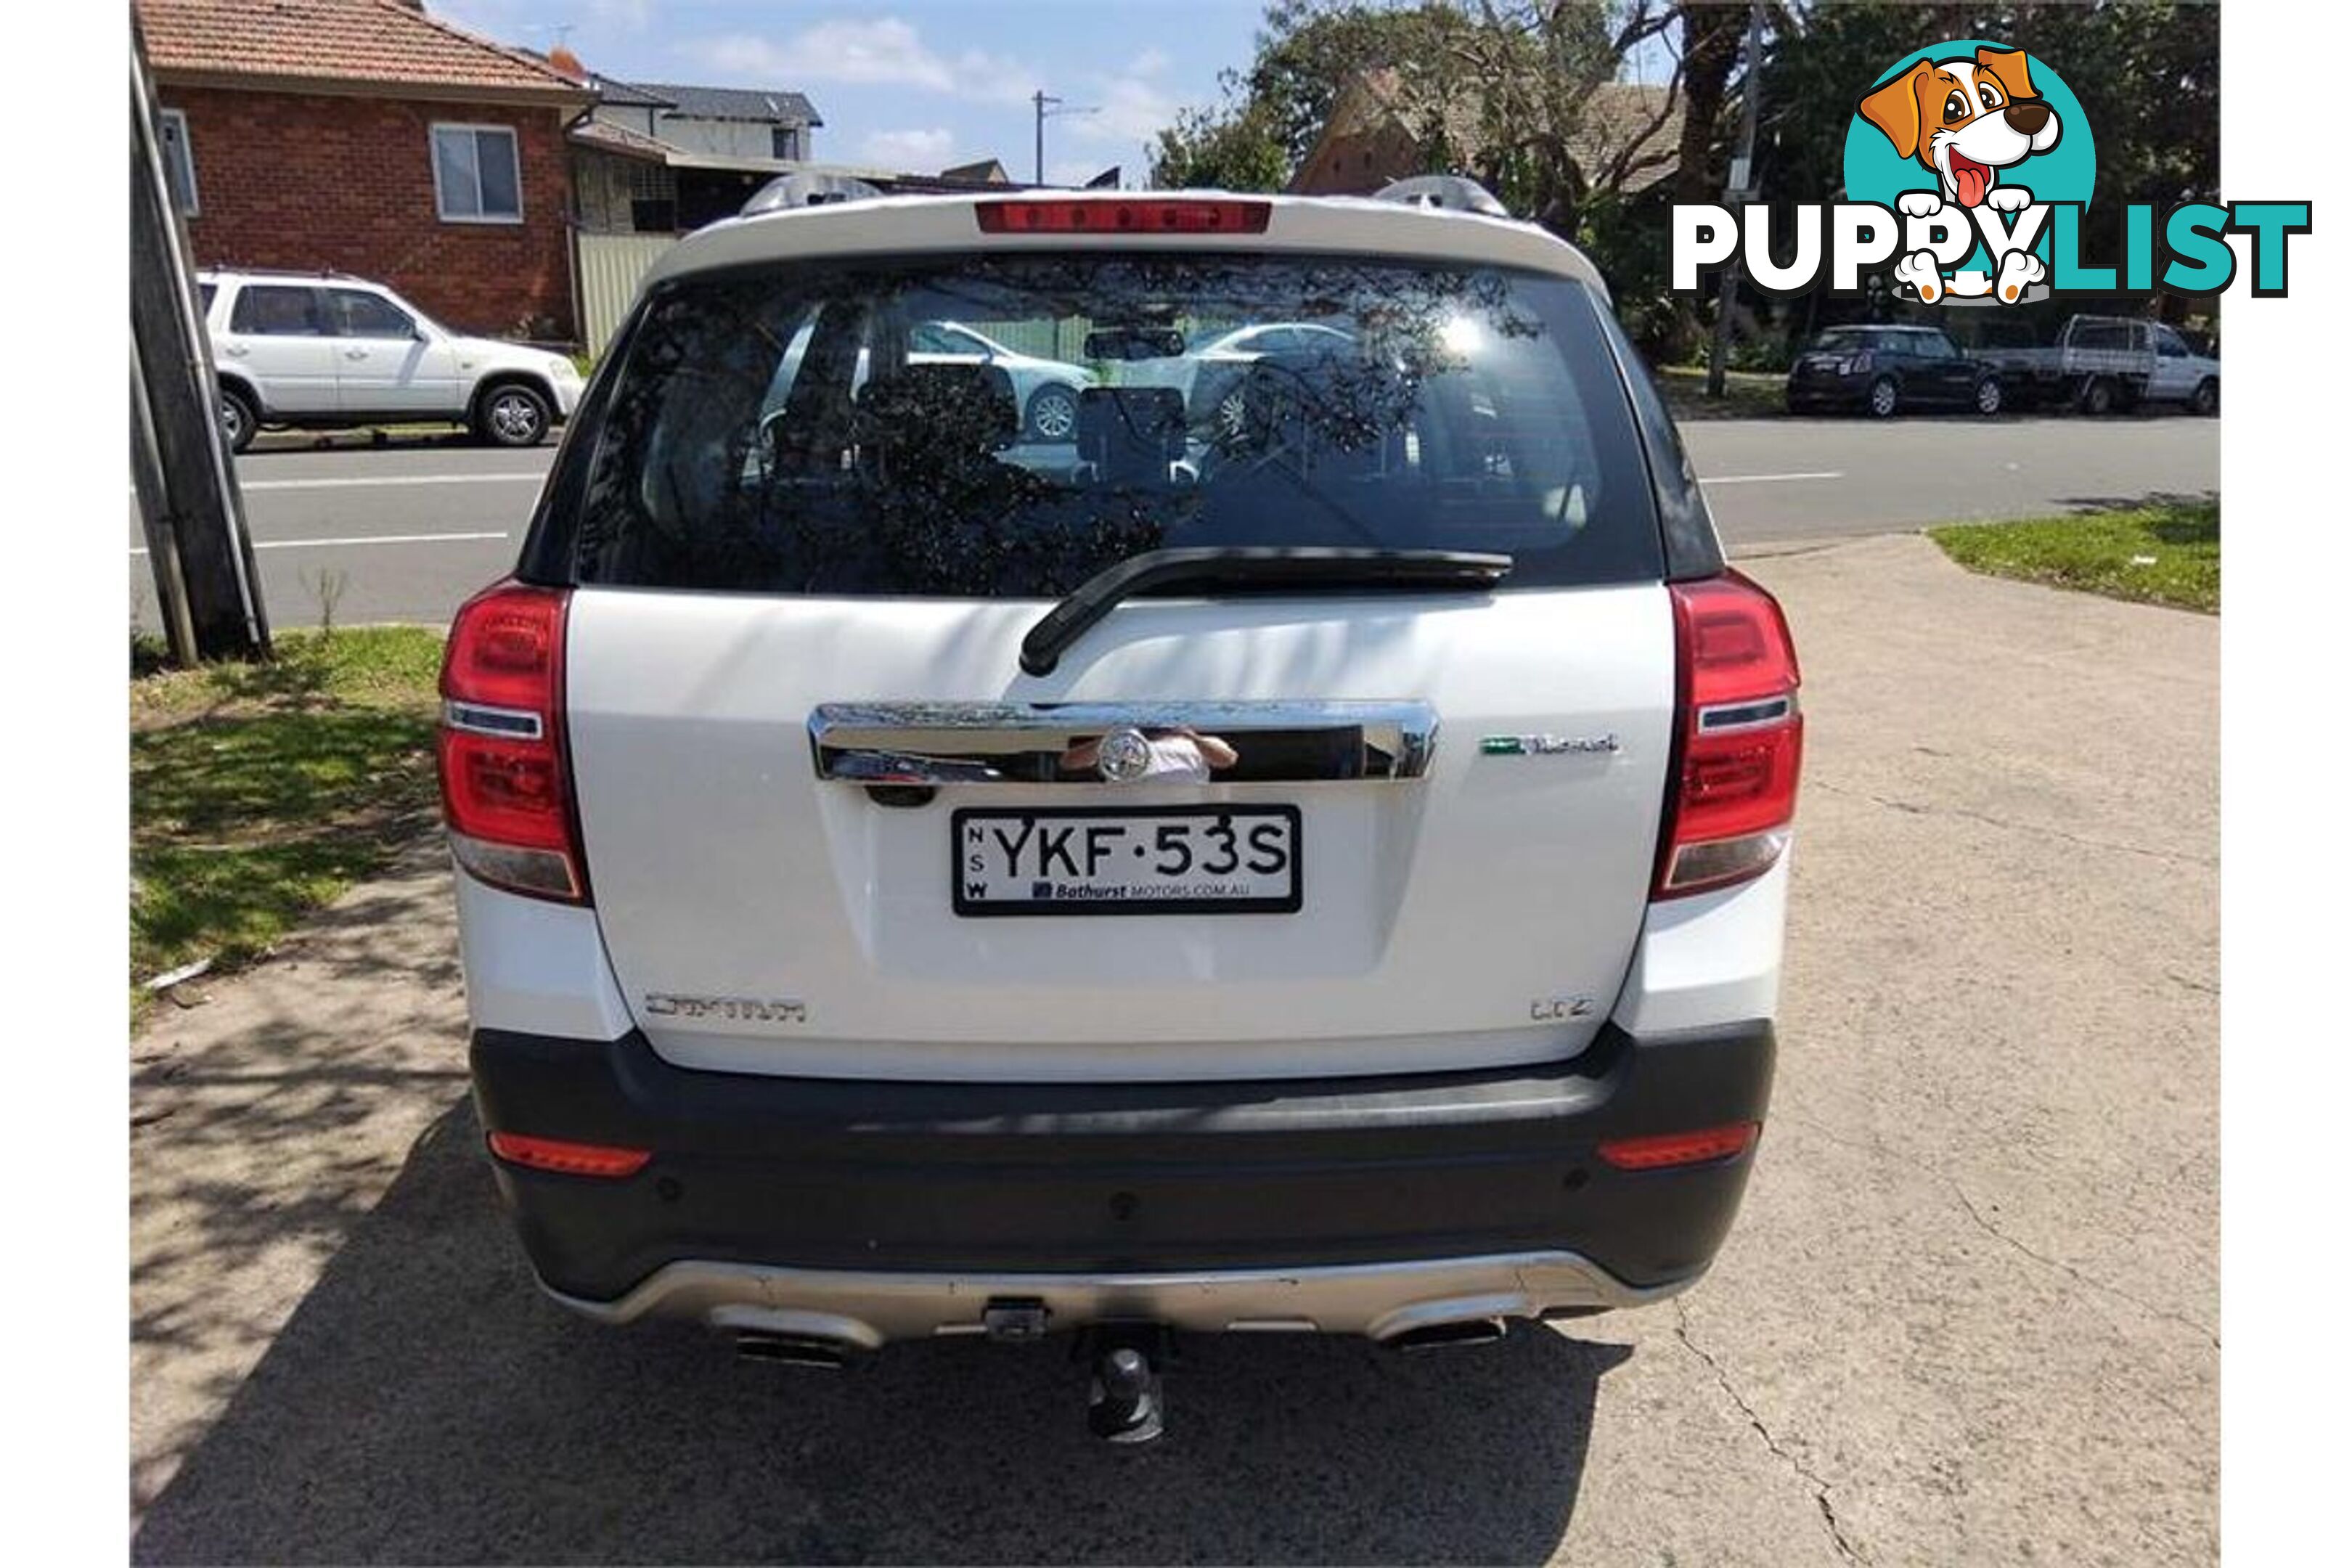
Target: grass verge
1747,393
261,792
2166,552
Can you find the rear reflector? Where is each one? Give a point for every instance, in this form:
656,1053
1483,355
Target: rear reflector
1740,736
1664,1149
1124,216
567,1159
505,784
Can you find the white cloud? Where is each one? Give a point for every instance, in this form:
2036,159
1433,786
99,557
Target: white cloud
885,51
912,152
1151,62
1132,110
630,15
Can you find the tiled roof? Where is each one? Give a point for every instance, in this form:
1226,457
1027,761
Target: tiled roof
987,172
612,138
625,94
386,42
733,103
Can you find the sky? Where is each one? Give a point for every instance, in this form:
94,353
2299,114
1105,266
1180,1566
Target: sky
918,85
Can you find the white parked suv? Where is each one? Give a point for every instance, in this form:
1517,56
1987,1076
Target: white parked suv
1323,874
320,351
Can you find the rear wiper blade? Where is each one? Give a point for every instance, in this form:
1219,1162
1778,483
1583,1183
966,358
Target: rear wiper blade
1256,566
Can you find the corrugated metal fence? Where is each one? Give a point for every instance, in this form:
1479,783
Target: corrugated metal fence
611,266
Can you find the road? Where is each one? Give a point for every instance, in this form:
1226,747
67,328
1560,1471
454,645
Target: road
1968,1314
410,530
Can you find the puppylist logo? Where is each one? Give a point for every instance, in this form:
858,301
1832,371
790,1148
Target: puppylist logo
1968,169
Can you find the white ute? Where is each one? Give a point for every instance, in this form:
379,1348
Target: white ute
1313,864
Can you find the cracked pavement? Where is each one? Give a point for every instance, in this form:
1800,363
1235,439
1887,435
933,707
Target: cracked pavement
1969,1313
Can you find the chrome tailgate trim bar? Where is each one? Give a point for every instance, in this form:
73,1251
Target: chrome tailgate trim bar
1023,742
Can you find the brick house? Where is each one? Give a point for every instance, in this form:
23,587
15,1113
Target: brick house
366,136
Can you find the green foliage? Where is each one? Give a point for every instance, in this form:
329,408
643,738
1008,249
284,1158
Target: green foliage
1309,51
1228,149
2167,552
259,792
1497,91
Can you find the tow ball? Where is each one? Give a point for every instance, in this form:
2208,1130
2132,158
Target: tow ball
1124,1403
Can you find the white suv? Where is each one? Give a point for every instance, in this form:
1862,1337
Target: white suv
323,351
1323,871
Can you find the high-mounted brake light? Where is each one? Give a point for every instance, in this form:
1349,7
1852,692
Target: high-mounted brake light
1663,1150
506,787
1740,739
1137,215
567,1158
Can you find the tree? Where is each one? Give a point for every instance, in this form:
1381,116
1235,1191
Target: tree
1495,89
1308,52
1231,149
1711,34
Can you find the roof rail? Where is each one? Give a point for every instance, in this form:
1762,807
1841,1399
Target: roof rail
807,188
1451,192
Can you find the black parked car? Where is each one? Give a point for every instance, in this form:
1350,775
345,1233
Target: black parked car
1885,370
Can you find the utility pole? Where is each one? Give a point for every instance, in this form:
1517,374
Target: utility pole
188,499
1040,98
1743,174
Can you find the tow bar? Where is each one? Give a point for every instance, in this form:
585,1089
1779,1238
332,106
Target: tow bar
1124,1401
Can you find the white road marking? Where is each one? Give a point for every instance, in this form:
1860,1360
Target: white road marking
360,539
393,479
1767,479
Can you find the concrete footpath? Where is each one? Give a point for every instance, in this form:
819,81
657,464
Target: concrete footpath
1970,1312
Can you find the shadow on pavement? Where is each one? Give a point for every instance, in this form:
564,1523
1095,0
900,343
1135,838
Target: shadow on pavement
424,1404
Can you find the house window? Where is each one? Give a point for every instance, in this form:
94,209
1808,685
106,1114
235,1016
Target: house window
784,140
179,164
653,204
477,173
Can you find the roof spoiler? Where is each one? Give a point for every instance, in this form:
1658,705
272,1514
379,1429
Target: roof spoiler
1450,192
807,188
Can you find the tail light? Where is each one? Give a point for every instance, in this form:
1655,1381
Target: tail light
567,1158
1662,1151
506,788
1740,738
1134,214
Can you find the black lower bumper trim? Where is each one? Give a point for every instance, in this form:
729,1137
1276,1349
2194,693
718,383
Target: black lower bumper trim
1118,1178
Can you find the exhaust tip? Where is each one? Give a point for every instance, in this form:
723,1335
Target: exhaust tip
793,1349
1442,1336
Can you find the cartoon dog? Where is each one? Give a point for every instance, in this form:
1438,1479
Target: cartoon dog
1965,119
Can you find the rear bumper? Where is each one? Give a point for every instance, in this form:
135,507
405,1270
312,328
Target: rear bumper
1382,1300
871,1211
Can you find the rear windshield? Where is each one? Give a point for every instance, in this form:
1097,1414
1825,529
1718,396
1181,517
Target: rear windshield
1008,426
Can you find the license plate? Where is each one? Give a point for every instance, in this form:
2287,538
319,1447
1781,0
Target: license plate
1114,860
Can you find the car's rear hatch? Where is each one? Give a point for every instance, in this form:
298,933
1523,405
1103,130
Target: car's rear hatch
832,827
